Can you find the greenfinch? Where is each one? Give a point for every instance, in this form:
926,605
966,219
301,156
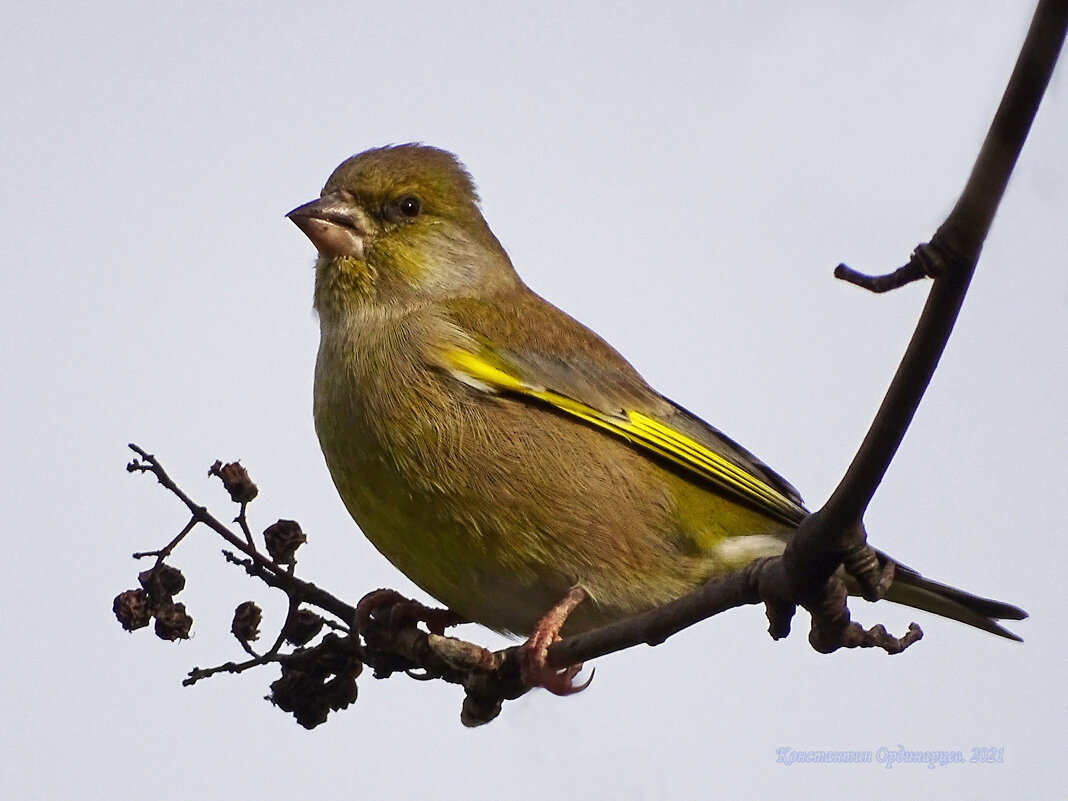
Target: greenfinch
501,454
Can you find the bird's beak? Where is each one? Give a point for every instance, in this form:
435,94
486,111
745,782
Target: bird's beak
334,224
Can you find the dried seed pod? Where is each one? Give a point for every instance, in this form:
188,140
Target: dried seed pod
282,539
235,480
302,627
246,625
132,609
172,622
162,582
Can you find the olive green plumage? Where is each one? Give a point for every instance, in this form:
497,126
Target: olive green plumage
497,451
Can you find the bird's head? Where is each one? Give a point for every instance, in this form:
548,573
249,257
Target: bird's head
400,225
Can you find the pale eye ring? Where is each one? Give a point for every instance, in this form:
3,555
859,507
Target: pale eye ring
410,206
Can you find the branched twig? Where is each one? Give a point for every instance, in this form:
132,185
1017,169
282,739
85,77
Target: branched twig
384,632
196,674
167,549
954,251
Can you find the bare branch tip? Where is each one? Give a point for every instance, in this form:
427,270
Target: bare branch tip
907,274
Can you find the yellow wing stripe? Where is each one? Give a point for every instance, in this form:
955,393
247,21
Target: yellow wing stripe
693,455
643,431
482,371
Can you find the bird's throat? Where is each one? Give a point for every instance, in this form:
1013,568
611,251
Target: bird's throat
343,282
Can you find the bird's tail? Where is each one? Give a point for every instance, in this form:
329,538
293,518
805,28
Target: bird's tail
912,589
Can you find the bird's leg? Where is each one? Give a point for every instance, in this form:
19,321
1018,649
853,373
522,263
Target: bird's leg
534,653
404,610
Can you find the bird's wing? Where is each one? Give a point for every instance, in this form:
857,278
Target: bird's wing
598,396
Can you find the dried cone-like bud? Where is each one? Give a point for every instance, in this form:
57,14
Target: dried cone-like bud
288,691
131,608
235,480
283,538
340,691
317,680
302,627
172,622
300,694
162,581
246,625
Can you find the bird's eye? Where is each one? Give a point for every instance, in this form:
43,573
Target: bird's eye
410,206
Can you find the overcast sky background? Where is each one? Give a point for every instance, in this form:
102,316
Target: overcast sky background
681,178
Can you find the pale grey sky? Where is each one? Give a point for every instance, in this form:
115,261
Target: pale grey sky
681,178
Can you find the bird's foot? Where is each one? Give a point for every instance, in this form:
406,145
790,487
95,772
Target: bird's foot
534,653
402,611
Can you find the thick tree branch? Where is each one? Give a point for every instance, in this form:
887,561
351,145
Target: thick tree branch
955,247
823,539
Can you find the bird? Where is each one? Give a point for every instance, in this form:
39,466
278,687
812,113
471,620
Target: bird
501,454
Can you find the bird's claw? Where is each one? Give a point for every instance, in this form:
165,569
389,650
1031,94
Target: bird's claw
534,653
